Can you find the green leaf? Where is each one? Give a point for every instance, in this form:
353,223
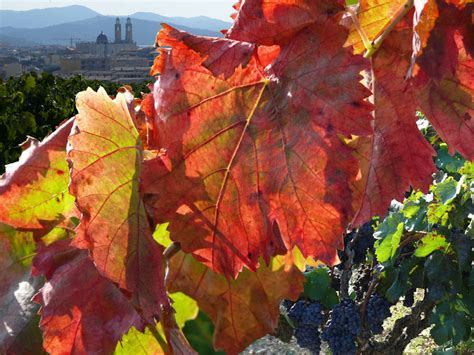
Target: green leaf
330,298
186,308
199,333
136,342
401,283
450,324
447,190
438,213
317,283
389,233
438,268
447,162
430,243
463,246
436,291
417,275
415,209
161,234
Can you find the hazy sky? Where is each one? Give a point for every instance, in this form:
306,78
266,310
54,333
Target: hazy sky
187,8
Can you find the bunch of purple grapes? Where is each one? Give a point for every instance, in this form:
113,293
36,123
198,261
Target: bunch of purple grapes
342,329
378,309
307,317
364,242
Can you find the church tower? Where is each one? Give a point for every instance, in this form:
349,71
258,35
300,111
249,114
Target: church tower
128,31
118,31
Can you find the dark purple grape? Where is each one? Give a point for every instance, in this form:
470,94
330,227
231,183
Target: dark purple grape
342,328
378,309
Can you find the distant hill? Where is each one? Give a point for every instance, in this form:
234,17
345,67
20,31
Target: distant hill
45,17
194,22
144,31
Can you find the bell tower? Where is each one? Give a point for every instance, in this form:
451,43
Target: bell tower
128,31
118,31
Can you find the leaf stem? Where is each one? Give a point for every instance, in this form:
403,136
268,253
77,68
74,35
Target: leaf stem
375,45
156,334
360,30
173,249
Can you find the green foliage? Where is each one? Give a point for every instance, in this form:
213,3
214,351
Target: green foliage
34,105
199,333
424,244
428,244
317,287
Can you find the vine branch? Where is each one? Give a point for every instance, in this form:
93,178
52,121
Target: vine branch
406,329
371,289
347,271
411,238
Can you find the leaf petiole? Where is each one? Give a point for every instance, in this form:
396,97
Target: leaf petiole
360,30
375,45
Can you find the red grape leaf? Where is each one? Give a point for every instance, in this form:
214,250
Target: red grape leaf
34,191
221,56
243,310
398,155
251,153
374,16
270,22
444,78
82,312
106,154
425,16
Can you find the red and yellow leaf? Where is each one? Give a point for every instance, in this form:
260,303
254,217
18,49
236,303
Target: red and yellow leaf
374,16
82,312
270,22
106,154
444,77
243,310
398,156
259,151
34,191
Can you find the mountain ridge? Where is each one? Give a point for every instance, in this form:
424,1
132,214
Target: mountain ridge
89,23
144,31
37,18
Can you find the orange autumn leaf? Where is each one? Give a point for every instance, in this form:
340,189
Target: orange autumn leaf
82,312
397,156
242,310
250,154
114,225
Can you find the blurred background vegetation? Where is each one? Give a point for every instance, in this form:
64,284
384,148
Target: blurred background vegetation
35,104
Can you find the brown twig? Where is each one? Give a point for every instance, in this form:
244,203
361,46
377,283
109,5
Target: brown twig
405,329
347,271
370,290
410,238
